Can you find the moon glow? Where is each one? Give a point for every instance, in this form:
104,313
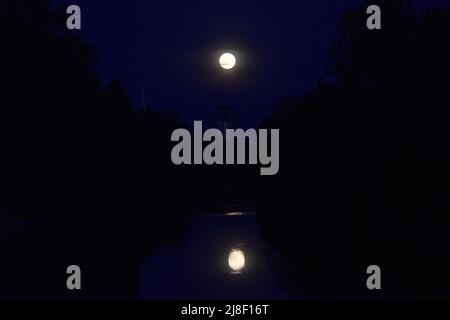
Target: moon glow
236,260
227,61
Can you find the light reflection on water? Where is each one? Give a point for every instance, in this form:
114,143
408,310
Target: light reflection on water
236,260
234,214
223,257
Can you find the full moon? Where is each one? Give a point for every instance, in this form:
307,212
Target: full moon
227,61
236,260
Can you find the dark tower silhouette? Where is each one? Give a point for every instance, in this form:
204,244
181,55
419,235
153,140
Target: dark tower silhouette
227,118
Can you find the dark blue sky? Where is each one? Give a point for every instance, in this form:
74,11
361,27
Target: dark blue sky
171,48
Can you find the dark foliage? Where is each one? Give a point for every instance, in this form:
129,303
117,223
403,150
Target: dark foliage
364,166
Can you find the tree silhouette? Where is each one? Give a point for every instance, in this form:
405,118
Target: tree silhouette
92,176
363,173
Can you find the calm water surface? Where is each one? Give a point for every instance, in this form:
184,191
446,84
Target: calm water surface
223,257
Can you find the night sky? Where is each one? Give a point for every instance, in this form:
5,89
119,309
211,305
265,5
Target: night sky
169,50
363,174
